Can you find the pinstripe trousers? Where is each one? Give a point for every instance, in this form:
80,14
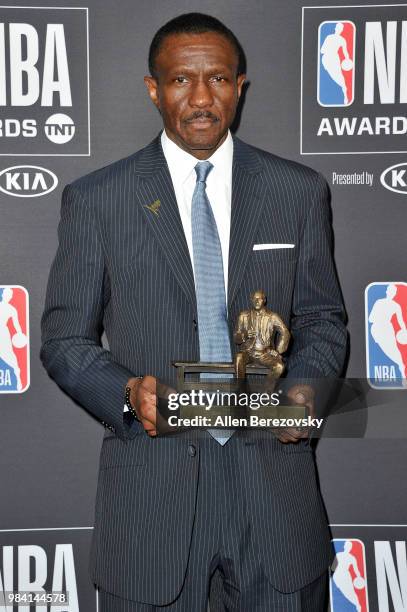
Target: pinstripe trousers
223,566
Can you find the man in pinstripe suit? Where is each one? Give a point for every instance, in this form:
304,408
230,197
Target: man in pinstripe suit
179,517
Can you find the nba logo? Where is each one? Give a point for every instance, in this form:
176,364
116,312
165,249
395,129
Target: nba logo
386,334
336,63
14,340
348,585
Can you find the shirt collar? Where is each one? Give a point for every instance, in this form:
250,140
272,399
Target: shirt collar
181,163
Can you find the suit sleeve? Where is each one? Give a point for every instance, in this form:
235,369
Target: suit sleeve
318,317
72,322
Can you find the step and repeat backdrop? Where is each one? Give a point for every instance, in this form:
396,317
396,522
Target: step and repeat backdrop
328,88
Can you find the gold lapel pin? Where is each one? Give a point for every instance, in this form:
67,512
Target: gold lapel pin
154,207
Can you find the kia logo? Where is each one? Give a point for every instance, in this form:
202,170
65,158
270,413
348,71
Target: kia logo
395,178
27,181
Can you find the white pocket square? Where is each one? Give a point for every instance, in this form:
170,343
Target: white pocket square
275,245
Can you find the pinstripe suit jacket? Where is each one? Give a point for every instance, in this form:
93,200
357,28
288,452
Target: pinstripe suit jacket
123,269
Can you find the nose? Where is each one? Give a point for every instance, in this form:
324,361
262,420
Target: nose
201,95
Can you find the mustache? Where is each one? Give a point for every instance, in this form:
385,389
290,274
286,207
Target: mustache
200,115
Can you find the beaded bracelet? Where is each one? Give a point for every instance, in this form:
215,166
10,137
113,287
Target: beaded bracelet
128,403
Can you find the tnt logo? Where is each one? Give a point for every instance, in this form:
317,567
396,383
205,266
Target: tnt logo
14,340
336,63
59,128
386,334
348,585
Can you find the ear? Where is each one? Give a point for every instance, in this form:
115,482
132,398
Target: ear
152,88
240,80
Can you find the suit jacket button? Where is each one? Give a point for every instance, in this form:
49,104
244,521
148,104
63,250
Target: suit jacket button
195,324
191,450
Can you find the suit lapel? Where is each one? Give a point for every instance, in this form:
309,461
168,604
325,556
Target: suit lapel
156,198
248,190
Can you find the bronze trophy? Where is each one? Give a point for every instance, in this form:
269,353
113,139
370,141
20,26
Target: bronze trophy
255,333
262,338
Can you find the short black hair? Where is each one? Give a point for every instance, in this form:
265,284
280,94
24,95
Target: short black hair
194,23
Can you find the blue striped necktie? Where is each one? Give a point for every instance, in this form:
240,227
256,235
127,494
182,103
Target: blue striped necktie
214,340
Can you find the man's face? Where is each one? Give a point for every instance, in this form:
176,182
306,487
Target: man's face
258,300
196,90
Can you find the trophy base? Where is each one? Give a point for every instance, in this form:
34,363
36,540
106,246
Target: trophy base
240,388
202,367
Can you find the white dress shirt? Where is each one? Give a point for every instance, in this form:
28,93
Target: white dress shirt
218,189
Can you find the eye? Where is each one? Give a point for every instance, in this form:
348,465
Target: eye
218,78
180,79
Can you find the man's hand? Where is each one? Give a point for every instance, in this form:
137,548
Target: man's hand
302,395
143,398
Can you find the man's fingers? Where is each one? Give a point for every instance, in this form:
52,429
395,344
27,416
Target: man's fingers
286,436
151,432
163,390
147,409
147,414
292,435
149,426
149,385
302,394
146,404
